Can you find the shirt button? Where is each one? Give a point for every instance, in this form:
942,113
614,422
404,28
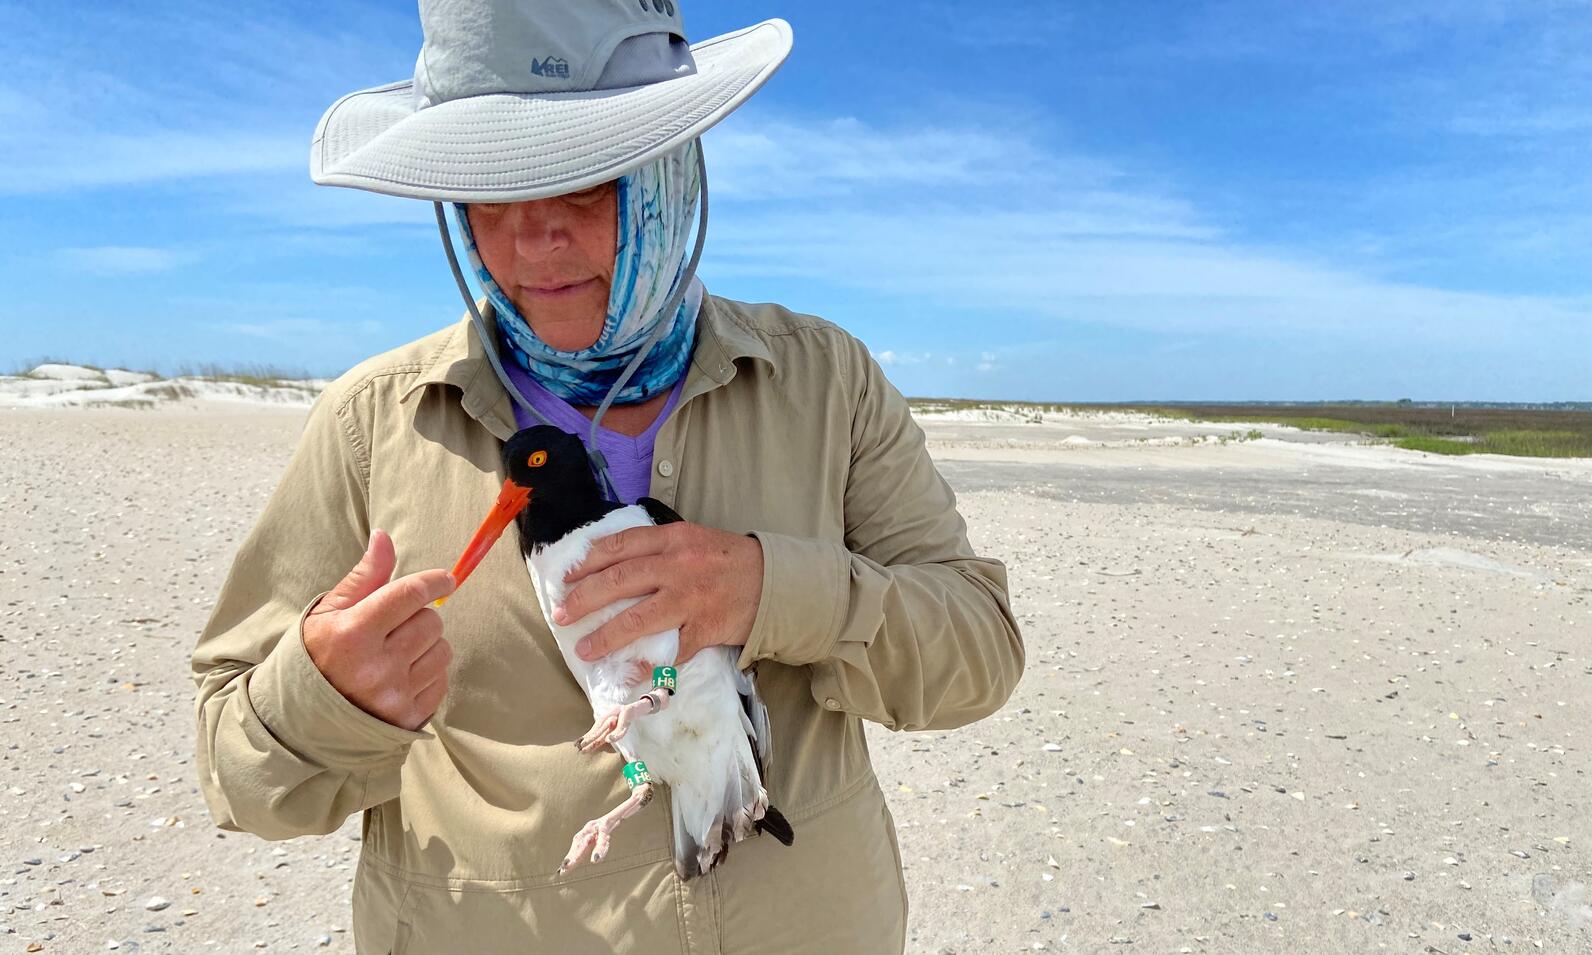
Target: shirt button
665,467
832,703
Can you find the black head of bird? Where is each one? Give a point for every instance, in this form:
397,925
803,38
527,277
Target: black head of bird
567,496
546,465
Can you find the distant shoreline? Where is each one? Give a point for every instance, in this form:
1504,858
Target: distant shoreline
261,373
1552,430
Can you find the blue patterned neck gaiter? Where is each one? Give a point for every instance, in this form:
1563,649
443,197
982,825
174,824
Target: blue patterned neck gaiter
657,208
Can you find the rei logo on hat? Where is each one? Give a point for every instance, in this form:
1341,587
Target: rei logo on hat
552,66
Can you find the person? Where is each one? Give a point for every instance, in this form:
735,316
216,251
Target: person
819,538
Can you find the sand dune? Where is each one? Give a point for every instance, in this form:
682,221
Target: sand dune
59,386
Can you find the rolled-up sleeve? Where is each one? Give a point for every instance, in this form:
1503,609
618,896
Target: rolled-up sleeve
281,752
902,623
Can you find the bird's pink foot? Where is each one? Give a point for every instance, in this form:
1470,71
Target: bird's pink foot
616,722
611,726
596,835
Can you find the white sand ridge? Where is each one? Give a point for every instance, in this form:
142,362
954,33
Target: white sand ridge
58,385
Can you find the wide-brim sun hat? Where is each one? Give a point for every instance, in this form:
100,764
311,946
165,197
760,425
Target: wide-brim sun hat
523,99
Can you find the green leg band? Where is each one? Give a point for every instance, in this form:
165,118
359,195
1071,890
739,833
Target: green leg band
637,774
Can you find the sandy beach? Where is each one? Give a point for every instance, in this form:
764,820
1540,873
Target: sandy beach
1284,694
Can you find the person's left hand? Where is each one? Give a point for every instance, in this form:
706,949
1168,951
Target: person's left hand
705,581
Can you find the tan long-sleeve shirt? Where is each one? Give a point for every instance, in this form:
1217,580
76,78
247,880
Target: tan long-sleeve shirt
874,607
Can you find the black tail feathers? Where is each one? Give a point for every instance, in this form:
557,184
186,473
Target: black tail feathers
775,824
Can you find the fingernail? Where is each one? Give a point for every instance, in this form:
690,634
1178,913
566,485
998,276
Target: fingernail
559,616
583,648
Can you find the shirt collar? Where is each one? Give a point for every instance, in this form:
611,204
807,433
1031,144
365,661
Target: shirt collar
461,361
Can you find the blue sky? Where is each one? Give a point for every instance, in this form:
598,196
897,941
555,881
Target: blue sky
1058,200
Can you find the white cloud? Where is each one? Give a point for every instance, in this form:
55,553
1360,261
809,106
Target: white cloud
85,111
786,159
890,357
1106,247
297,330
1512,118
87,160
293,200
112,261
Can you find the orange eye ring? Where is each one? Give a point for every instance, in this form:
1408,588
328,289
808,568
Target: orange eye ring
537,459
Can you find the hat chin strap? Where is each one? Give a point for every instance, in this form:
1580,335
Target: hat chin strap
598,462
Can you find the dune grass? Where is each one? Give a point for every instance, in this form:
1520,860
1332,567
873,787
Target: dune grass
24,368
258,374
170,390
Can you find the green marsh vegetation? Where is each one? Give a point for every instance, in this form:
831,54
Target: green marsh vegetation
1559,432
1562,431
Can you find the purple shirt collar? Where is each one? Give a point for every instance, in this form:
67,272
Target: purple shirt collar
629,458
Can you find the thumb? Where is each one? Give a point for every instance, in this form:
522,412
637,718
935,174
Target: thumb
373,570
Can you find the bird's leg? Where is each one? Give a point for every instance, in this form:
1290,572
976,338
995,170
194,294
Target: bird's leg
616,722
596,835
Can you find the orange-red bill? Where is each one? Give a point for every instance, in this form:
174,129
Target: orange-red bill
511,500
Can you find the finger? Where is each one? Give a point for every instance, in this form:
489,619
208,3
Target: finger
636,577
431,664
689,648
373,570
429,698
397,601
607,551
415,636
641,620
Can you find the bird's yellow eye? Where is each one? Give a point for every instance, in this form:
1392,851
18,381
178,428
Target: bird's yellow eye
537,459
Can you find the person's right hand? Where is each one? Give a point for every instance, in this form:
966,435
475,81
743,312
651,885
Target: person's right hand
379,642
